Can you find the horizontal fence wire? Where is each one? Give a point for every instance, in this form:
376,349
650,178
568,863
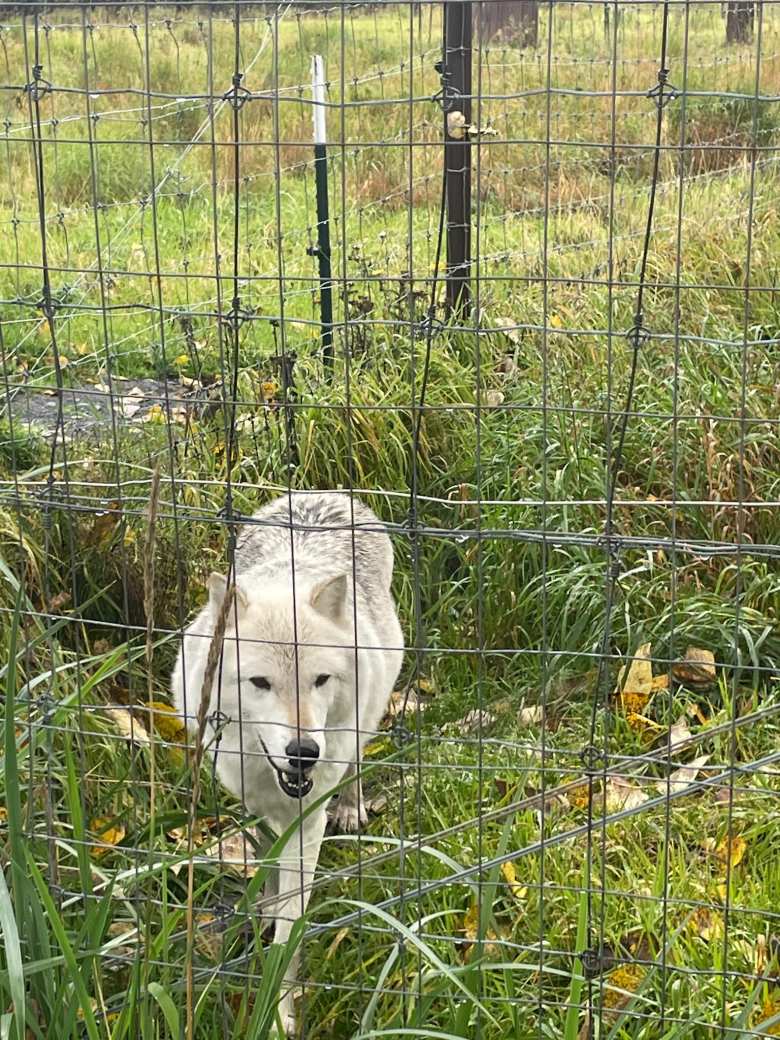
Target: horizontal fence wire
507,275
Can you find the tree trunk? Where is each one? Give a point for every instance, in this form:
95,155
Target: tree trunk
522,16
739,21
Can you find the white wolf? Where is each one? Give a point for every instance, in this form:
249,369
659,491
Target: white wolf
309,659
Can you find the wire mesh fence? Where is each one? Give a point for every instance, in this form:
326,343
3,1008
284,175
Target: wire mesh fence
506,274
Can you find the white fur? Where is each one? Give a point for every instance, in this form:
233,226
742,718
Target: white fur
313,572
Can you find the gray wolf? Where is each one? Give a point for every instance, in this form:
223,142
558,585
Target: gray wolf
310,655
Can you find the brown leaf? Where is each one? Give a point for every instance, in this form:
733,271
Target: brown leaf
474,720
208,936
531,715
234,851
697,667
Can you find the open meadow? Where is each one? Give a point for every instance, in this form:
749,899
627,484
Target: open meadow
151,204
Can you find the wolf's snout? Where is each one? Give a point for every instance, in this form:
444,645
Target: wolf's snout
302,754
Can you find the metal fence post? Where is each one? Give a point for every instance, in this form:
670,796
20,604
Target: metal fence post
456,74
322,249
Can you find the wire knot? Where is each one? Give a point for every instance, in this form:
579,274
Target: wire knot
237,96
659,93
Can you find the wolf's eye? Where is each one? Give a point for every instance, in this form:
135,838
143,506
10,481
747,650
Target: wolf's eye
260,682
321,680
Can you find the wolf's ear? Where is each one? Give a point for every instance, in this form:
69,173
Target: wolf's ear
329,597
217,586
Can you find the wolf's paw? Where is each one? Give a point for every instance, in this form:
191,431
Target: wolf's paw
346,818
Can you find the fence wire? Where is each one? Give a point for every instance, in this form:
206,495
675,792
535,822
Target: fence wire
550,368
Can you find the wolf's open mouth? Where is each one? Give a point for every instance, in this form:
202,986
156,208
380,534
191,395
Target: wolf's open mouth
295,785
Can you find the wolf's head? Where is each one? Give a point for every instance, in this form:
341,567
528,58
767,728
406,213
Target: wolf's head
288,664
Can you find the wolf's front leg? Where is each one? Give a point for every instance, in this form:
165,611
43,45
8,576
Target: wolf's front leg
350,813
295,875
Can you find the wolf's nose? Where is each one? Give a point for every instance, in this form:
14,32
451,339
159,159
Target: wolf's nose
302,754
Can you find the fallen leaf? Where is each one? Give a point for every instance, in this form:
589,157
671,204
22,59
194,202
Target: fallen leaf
108,832
707,924
129,727
731,850
104,525
579,796
679,733
377,805
471,922
635,685
556,321
503,786
269,389
508,328
208,936
234,851
510,876
660,682
620,794
494,398
697,667
641,724
401,702
165,721
685,775
620,987
131,402
182,359
770,1008
531,716
154,415
471,931
474,720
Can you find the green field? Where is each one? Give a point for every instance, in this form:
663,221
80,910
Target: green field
140,214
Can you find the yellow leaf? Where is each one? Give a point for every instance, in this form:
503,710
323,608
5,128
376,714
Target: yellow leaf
641,723
471,931
471,922
166,722
770,1008
510,876
579,797
660,682
621,984
182,359
731,851
269,389
555,321
707,924
109,833
155,415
